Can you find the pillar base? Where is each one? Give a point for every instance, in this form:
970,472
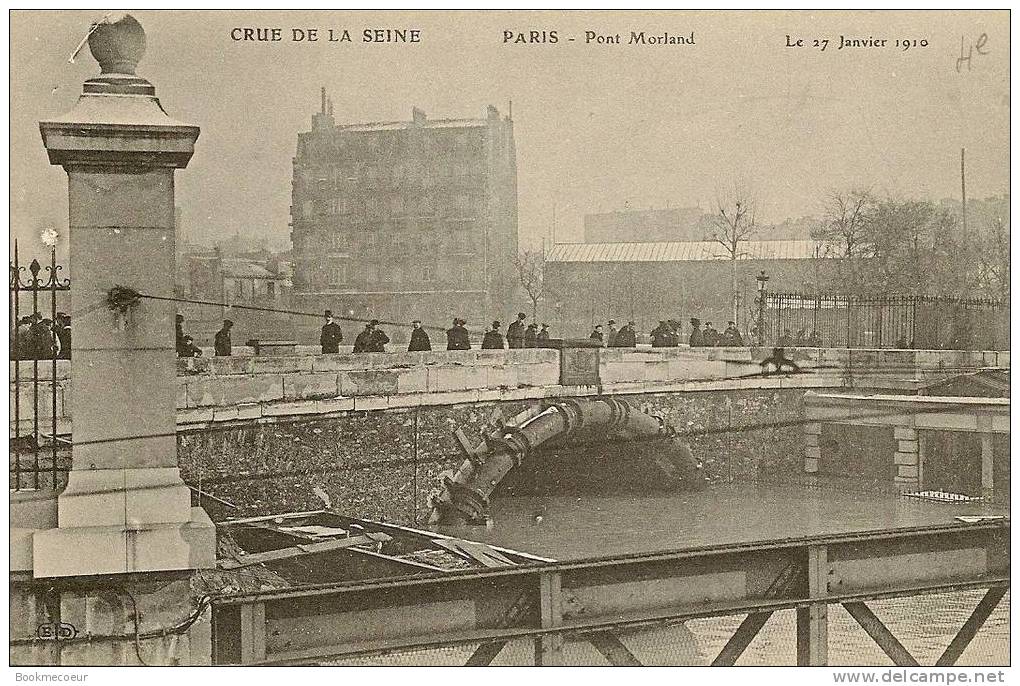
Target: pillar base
88,550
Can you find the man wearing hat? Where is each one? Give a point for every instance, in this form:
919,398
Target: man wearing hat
63,331
331,335
611,334
419,338
531,335
457,336
697,339
515,332
543,335
363,343
626,337
221,343
377,343
493,339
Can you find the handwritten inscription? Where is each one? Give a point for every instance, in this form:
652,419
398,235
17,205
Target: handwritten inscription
967,52
852,43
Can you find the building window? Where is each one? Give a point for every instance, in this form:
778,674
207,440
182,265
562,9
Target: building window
271,289
337,274
427,273
338,242
307,208
371,273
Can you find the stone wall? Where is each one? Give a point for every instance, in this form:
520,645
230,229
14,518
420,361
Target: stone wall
383,464
244,388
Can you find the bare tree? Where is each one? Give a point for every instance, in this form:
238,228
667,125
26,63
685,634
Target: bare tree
530,265
846,214
734,224
993,259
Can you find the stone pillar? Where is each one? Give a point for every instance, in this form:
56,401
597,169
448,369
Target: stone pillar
812,446
907,460
125,508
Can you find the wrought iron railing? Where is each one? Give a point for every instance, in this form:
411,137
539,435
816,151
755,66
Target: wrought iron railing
895,321
38,453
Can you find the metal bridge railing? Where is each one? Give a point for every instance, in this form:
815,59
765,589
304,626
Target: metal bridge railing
920,595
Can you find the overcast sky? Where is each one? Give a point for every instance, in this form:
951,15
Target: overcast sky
596,126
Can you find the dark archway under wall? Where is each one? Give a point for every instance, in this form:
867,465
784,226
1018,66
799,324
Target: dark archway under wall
619,429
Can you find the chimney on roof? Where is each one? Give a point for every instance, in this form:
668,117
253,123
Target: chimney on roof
491,112
418,116
323,120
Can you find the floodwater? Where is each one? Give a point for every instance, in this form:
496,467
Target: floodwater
565,527
583,526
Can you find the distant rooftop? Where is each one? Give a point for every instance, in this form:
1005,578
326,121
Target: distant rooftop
680,251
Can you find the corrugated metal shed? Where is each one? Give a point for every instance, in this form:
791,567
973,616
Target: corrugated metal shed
687,251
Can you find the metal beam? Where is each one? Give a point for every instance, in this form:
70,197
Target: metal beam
880,633
485,654
612,648
740,639
813,620
970,628
546,601
549,647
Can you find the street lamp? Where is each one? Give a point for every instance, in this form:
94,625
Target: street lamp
762,280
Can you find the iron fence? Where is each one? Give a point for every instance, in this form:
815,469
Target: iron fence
38,453
896,321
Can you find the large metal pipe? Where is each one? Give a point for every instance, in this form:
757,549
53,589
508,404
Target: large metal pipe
465,496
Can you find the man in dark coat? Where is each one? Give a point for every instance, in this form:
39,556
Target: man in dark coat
63,331
221,344
179,333
710,336
331,335
611,334
493,339
363,343
515,332
419,338
626,337
531,335
659,335
457,337
377,342
697,338
731,336
543,335
596,334
188,348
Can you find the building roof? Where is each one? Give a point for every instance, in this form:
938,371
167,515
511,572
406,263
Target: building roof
427,124
245,269
685,251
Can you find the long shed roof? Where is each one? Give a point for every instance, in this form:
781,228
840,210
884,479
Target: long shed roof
681,251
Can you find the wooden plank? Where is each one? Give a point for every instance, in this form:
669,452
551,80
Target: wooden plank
880,633
970,628
303,549
607,643
741,638
474,551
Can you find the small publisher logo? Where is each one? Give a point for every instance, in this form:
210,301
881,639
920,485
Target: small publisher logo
56,631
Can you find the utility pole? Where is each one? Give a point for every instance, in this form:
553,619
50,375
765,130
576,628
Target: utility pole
963,191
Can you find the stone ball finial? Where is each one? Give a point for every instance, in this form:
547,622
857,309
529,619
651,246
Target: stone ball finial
118,43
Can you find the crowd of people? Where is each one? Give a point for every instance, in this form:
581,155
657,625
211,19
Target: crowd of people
35,337
668,334
519,334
